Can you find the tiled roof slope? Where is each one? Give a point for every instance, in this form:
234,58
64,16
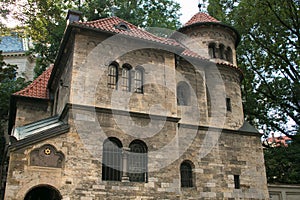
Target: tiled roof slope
38,88
201,17
111,25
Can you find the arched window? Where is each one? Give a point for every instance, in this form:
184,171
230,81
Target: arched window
183,94
228,54
111,160
186,174
138,80
126,77
138,161
222,51
212,50
112,76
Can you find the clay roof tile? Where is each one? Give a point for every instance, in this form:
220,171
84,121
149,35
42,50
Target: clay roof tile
38,88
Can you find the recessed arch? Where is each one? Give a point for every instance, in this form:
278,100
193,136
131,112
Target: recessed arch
186,173
43,192
111,160
183,94
138,161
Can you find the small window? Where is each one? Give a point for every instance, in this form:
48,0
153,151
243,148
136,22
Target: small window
111,160
126,78
208,101
183,94
112,76
122,26
138,81
237,181
228,104
222,51
186,174
228,55
138,161
212,50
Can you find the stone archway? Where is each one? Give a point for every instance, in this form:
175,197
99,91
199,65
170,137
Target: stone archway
43,192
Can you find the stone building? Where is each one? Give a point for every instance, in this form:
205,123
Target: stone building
125,114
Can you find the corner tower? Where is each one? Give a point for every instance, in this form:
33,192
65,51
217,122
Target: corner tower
217,42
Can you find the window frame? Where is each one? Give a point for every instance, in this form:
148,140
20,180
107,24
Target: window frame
126,78
112,81
183,93
139,81
186,175
138,162
112,160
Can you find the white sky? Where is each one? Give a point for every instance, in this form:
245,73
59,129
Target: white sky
188,9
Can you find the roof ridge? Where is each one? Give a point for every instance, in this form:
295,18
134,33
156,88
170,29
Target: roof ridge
201,17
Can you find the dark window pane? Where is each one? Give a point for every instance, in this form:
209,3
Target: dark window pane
186,175
138,162
111,161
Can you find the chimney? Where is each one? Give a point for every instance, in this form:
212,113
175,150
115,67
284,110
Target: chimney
73,16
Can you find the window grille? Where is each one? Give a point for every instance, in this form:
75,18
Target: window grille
111,160
138,161
186,174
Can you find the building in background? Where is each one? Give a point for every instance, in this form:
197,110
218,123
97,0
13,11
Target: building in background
15,48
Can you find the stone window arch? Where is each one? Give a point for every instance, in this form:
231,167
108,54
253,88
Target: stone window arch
112,75
45,192
186,174
112,159
126,77
183,94
212,50
139,80
47,156
138,161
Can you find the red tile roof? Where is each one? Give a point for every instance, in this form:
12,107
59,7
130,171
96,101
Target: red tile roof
38,88
201,17
111,24
192,54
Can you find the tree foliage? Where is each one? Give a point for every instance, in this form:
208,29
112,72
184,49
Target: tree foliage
8,85
283,163
45,19
269,57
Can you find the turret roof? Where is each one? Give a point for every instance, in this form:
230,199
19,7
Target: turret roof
201,17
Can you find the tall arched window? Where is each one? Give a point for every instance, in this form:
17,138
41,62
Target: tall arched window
222,51
208,101
111,160
138,80
186,174
212,50
112,76
228,55
126,77
183,94
138,161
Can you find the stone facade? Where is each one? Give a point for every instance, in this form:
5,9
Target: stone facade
189,111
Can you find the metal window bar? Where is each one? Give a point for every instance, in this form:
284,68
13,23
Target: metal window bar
138,79
111,162
112,77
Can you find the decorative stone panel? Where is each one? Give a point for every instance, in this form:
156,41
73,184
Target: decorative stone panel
47,156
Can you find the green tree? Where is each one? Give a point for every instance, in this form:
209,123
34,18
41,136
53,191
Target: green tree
8,85
269,57
283,163
45,19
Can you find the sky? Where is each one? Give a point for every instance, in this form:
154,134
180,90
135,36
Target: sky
188,9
